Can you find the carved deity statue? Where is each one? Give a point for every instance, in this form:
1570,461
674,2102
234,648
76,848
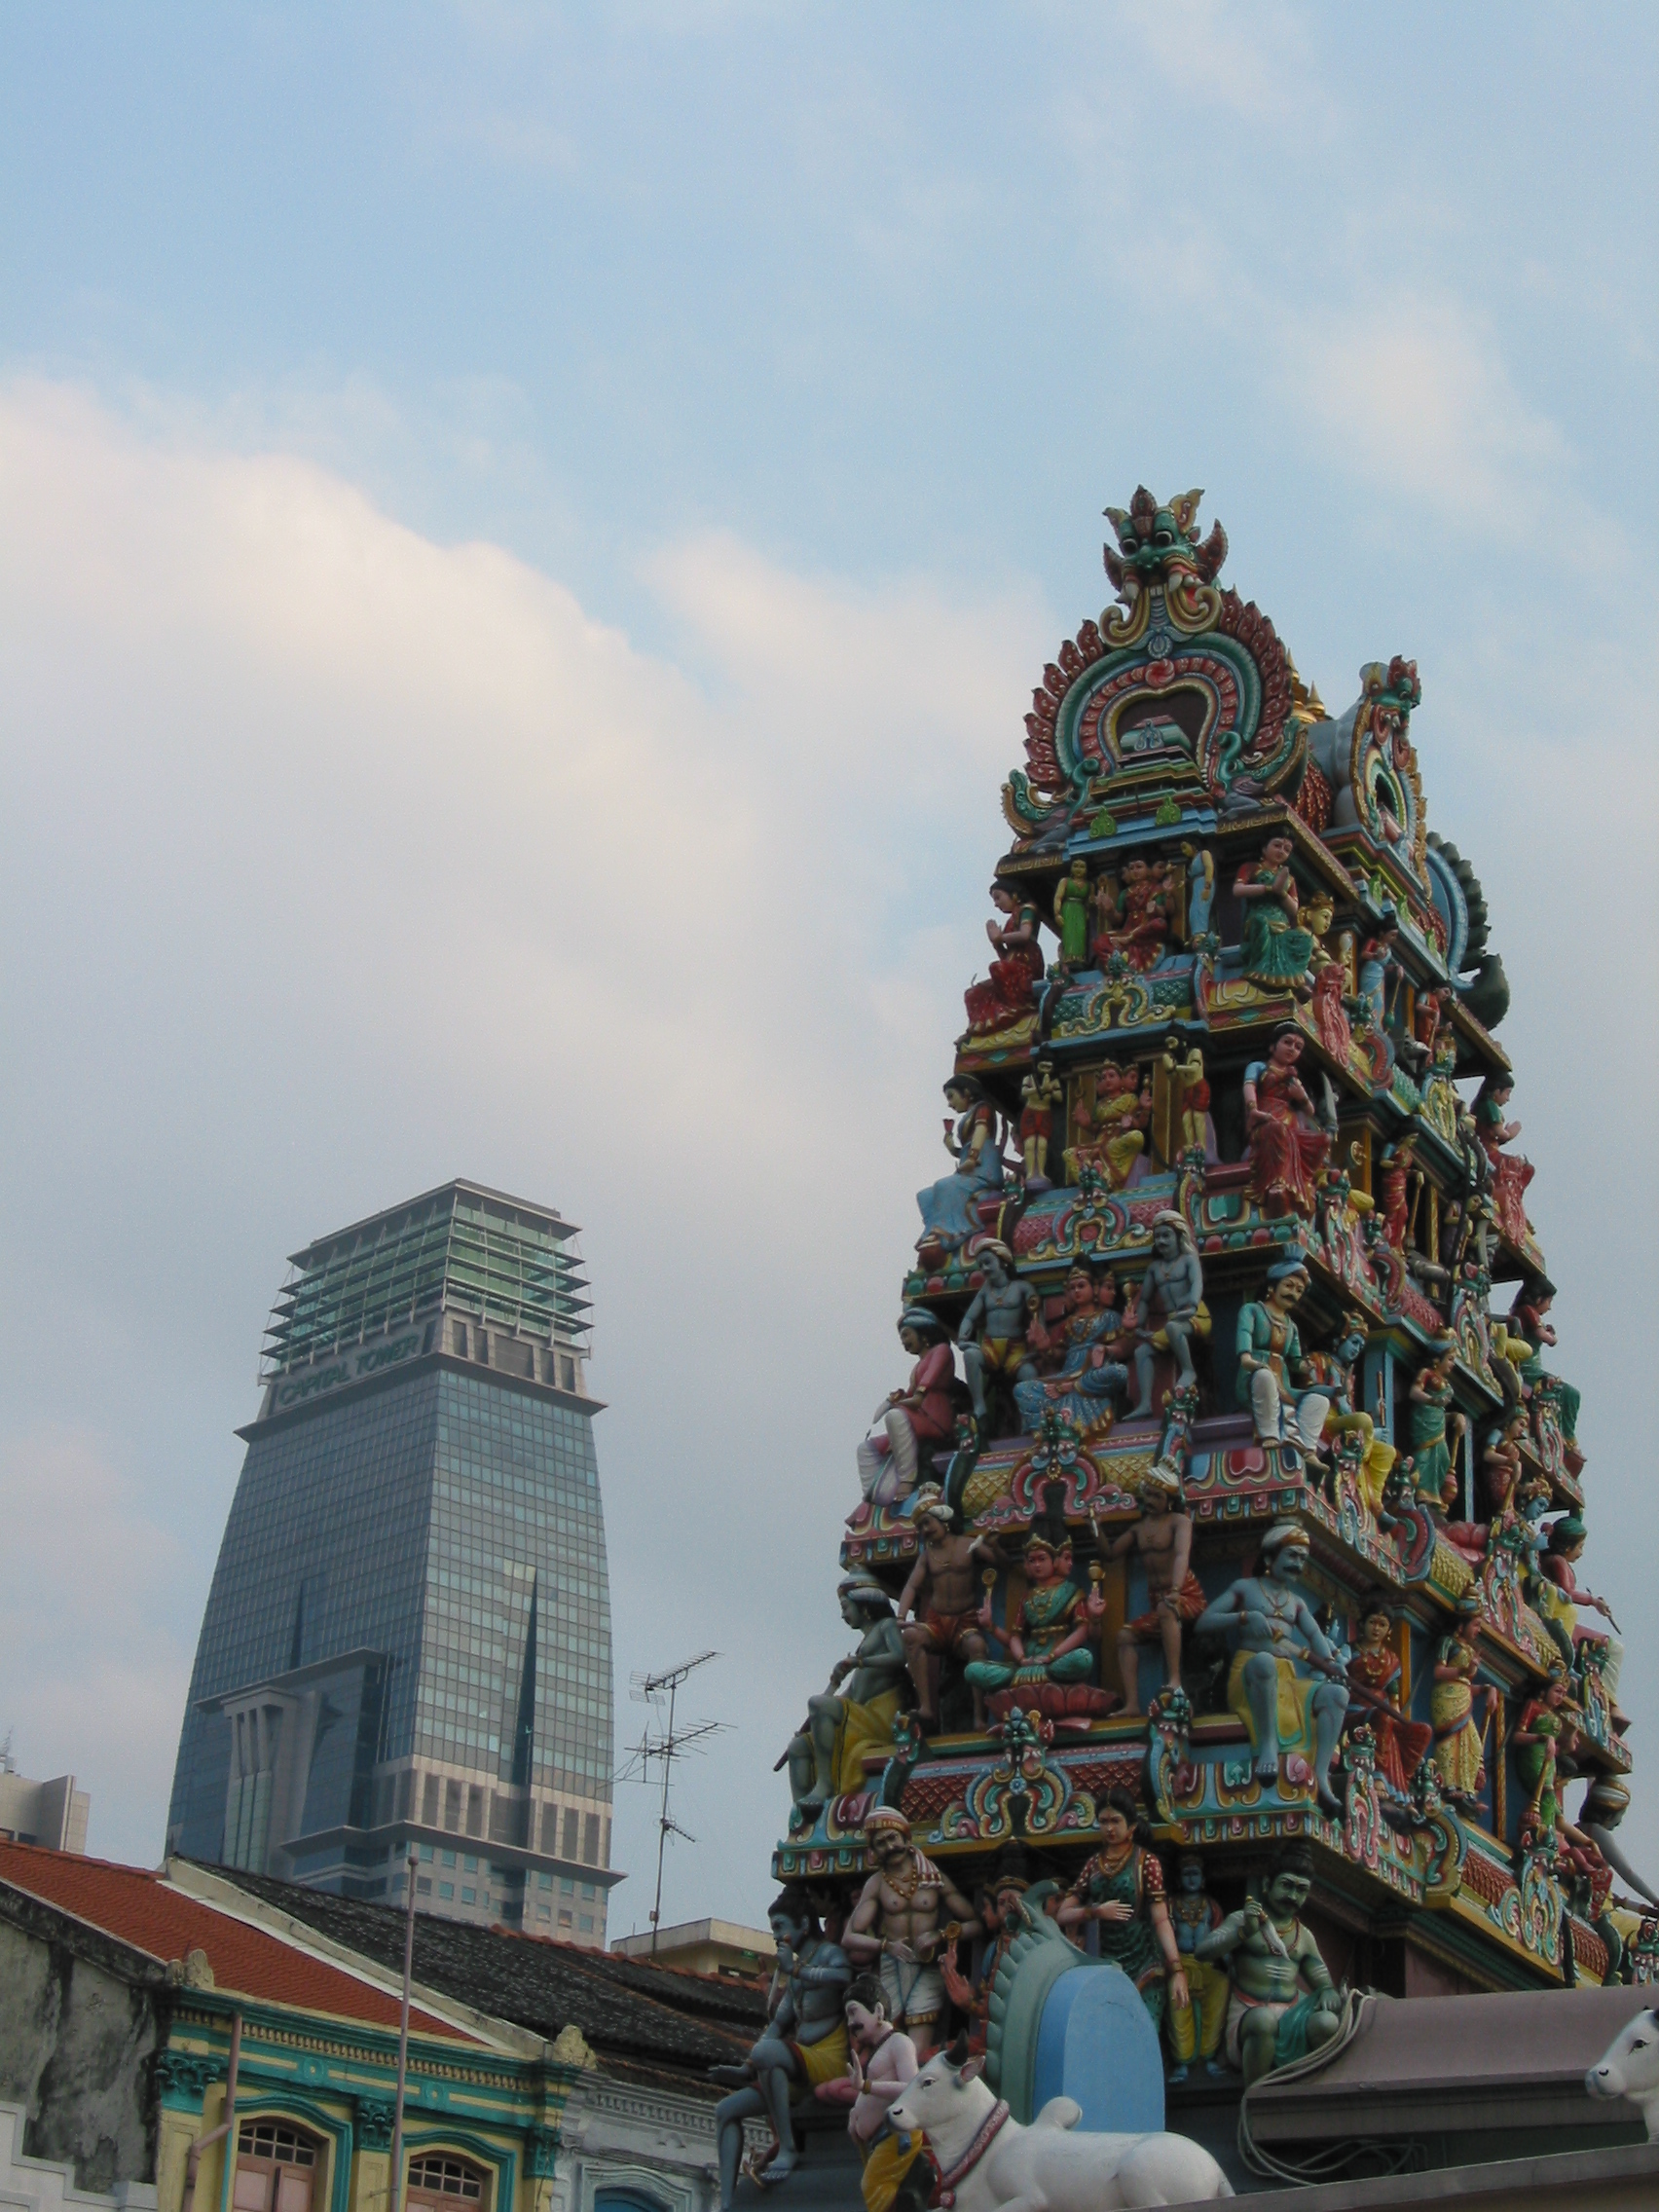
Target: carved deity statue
896,1928
992,1331
1010,991
1373,1673
972,1136
1284,2002
1041,1090
1435,1427
1271,1362
804,2043
1120,1891
1276,948
915,1419
881,2062
1110,1127
1196,2028
1278,1649
937,1609
1287,1148
1453,1704
1073,901
856,1714
1168,1309
1048,1641
1163,1539
1073,1368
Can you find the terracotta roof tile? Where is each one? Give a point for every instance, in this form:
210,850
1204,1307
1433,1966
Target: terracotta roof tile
140,1908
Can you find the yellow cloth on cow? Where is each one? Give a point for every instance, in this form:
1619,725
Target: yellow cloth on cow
885,2168
1295,1697
863,1728
824,2060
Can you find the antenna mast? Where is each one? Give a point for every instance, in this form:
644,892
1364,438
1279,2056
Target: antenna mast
647,1689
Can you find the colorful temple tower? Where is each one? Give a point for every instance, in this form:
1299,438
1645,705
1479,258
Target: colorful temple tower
1224,1529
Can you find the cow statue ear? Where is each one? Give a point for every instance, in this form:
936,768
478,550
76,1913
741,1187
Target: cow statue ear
971,2069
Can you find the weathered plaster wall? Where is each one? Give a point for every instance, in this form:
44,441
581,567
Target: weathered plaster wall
76,2044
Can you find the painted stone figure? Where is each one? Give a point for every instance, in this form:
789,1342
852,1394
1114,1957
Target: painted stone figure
806,2042
1276,949
1048,1640
1373,1673
914,1420
992,1331
1435,1427
1073,903
1287,1148
1005,1917
1073,1371
1558,1568
1511,1174
1329,1011
1196,2028
1378,969
1270,1627
1269,1355
1453,1704
949,1207
1190,1102
1528,1318
896,1928
881,2060
1327,1409
1010,990
1544,1728
1120,1891
856,1714
1284,2002
1163,1539
1041,1090
1109,1127
1168,1309
938,1609
1138,927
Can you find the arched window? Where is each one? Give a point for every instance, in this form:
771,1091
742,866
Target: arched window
276,2167
440,2183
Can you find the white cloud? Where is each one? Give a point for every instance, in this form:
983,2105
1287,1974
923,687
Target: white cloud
341,861
1414,395
1252,61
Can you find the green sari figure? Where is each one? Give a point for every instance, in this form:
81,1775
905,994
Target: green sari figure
1536,1736
1120,1890
1435,1427
1277,951
1073,899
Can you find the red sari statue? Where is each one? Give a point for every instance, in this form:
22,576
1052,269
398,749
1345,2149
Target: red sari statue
1374,1676
1011,989
1287,1149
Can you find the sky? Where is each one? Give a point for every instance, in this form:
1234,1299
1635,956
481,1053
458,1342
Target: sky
525,537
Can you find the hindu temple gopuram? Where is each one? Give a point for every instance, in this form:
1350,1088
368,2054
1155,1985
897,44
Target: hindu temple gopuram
1209,1579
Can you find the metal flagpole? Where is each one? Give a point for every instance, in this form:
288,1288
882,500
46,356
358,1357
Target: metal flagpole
396,2192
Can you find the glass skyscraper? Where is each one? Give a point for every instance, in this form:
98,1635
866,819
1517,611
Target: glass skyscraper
407,1636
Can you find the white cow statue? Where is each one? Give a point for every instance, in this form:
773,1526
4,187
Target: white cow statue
1630,2068
988,2162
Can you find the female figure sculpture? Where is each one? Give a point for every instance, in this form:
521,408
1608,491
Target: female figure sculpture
1453,1704
1511,1174
1011,989
1374,1688
1435,1427
972,1136
1121,1891
1287,1149
1276,950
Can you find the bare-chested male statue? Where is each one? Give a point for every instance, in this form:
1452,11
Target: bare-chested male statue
939,1608
895,1927
1164,1538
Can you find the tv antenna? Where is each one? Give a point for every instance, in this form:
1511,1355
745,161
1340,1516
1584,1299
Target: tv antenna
671,1745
